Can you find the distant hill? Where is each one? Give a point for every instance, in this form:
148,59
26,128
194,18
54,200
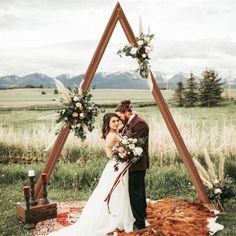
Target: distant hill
9,81
101,80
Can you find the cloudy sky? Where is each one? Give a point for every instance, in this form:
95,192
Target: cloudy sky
60,36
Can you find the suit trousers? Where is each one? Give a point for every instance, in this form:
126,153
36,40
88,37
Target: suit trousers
138,197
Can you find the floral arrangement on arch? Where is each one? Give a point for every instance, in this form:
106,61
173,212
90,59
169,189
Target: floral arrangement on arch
219,188
141,53
79,111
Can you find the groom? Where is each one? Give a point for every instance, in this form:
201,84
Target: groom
134,125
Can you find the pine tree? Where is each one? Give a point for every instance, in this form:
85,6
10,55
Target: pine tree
178,98
210,89
191,93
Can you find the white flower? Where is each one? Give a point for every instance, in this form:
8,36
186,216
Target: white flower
148,49
138,151
216,181
79,105
144,55
78,125
217,191
147,39
140,42
131,146
133,51
121,155
124,141
130,140
75,99
81,115
134,140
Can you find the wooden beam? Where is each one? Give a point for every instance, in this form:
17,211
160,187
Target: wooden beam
101,48
176,136
52,159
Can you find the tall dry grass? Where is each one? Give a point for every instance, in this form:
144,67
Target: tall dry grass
217,138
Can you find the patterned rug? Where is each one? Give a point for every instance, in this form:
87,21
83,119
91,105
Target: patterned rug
165,217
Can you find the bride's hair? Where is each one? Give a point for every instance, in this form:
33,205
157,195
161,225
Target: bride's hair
124,106
106,122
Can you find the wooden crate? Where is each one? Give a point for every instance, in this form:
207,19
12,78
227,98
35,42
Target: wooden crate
39,212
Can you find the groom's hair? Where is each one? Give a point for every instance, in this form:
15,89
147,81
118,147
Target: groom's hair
124,106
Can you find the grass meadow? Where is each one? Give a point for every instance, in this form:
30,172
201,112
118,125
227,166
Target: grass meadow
27,127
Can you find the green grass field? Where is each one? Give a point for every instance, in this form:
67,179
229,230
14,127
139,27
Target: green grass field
26,128
13,98
33,97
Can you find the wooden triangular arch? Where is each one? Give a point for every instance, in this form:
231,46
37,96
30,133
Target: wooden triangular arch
118,15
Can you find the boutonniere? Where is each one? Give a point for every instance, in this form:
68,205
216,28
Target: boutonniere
128,130
128,126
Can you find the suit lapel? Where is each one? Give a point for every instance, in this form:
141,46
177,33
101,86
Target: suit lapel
133,120
128,126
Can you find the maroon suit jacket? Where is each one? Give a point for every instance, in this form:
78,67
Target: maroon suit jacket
138,128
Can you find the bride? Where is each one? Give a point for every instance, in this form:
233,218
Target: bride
95,219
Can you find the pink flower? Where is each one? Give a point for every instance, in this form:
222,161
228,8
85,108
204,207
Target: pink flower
121,149
75,114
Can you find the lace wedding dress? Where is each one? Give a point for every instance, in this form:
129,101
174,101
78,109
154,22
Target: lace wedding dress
95,219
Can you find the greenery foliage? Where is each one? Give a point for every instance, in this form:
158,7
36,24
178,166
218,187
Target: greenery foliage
227,190
179,95
191,93
210,88
55,91
76,182
207,94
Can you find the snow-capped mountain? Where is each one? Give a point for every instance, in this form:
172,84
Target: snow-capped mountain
64,76
35,79
103,80
6,81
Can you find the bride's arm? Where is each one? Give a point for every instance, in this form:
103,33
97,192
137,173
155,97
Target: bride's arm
111,140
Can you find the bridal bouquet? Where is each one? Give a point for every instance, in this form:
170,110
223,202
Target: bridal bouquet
141,53
127,150
79,111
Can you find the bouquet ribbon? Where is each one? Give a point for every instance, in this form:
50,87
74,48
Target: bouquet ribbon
117,181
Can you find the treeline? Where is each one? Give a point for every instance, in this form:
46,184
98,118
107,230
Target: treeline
27,86
207,93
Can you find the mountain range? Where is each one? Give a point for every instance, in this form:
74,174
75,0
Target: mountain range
101,80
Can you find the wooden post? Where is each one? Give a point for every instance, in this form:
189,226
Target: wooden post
52,159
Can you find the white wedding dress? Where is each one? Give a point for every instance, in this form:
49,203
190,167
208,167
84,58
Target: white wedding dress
95,219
